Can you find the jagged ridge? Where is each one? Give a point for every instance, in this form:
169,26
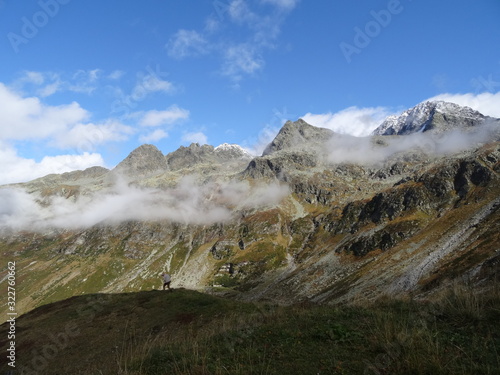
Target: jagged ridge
432,115
345,230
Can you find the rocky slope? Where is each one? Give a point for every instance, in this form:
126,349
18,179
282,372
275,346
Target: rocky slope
319,216
437,116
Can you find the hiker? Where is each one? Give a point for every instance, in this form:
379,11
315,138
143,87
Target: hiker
166,280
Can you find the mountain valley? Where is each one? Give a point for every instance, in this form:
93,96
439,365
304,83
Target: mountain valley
408,214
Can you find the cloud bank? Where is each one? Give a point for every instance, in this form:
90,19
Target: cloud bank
16,168
366,151
188,203
29,120
64,127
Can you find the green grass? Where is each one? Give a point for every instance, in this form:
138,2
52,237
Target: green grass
187,332
457,335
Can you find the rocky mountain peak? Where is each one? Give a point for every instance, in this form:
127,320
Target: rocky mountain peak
298,135
228,151
188,156
438,116
198,154
143,160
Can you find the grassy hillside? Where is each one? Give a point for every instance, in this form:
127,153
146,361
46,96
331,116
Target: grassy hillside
187,332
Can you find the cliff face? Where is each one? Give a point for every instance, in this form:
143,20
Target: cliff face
291,225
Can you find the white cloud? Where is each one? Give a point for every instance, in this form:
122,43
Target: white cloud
256,30
18,169
239,11
44,84
49,83
169,116
241,59
364,150
186,43
116,74
196,137
188,202
212,24
94,74
362,121
154,136
36,78
283,4
28,118
487,103
86,137
353,120
17,209
153,83
85,81
50,89
146,84
150,83
265,137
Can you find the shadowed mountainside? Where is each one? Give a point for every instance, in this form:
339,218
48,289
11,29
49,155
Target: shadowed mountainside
186,332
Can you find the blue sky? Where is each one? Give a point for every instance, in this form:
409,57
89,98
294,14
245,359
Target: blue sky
85,82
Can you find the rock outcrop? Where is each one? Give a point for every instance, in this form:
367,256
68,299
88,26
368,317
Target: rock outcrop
298,135
414,223
144,160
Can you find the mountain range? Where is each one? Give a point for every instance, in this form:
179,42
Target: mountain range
319,216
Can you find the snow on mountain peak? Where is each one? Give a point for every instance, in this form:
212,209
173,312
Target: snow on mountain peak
418,118
232,150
